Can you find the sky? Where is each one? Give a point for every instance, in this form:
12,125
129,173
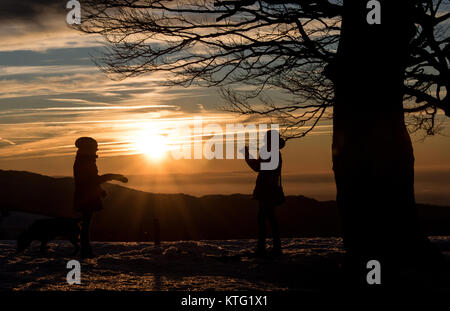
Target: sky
51,93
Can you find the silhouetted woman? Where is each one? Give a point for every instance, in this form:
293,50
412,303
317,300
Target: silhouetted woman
88,193
269,192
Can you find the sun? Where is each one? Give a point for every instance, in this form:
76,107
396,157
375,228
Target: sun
152,145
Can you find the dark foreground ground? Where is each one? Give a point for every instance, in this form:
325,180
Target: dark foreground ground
307,264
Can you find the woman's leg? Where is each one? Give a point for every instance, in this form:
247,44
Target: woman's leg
275,230
262,231
86,250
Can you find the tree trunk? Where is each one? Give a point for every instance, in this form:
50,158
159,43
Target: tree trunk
373,159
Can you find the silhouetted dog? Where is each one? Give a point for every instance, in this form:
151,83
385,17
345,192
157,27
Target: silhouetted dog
45,230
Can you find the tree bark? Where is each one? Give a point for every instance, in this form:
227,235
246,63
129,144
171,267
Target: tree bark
373,159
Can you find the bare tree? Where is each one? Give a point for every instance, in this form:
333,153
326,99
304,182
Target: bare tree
326,60
285,45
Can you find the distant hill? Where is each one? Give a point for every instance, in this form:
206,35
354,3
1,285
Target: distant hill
128,214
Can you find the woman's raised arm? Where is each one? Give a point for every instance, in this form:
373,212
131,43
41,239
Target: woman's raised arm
108,177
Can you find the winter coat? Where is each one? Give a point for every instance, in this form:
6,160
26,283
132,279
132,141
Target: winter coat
88,193
268,183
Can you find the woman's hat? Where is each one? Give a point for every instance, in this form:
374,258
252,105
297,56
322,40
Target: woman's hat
86,143
281,143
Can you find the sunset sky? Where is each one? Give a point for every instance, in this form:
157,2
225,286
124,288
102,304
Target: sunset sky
51,93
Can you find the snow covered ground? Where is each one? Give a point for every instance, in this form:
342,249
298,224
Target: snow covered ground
307,263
